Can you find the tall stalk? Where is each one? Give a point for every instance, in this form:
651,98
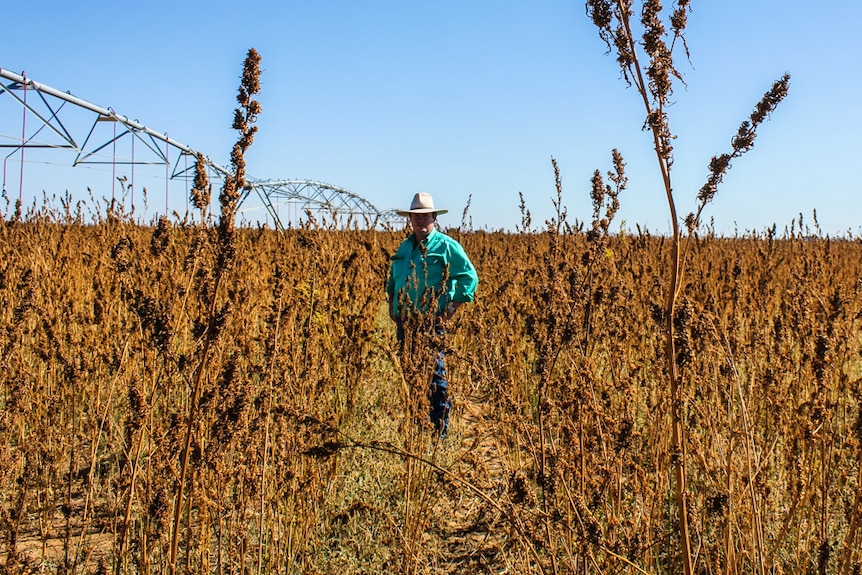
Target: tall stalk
232,189
654,83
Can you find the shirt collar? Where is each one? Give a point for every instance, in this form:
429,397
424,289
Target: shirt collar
433,233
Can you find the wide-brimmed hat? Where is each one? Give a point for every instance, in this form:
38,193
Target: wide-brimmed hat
422,204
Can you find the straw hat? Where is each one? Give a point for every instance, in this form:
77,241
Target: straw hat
422,204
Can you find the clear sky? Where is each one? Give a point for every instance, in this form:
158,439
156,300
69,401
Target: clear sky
460,98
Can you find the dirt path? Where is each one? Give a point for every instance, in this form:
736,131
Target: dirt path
470,530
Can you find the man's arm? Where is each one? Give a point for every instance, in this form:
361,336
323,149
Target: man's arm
463,273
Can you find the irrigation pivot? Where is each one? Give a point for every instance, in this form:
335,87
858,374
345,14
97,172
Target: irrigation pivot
44,122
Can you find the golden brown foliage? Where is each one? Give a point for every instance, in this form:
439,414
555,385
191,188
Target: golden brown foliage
298,450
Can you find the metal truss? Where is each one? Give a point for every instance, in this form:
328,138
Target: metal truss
51,132
43,105
307,195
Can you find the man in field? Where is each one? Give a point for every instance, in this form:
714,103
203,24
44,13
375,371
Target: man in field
430,277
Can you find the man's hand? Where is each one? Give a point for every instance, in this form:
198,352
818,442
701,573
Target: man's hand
450,310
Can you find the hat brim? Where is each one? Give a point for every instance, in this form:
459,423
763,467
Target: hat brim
406,213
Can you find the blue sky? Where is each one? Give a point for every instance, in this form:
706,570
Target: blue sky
460,98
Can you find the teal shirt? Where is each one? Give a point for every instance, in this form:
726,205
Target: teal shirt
418,271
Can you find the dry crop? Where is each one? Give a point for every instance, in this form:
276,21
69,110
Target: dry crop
201,398
560,459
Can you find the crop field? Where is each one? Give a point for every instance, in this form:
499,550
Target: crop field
189,396
160,414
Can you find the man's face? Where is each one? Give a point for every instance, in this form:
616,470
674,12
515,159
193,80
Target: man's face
423,224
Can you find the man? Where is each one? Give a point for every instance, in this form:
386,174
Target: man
430,277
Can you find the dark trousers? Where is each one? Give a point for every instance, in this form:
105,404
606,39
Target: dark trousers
438,395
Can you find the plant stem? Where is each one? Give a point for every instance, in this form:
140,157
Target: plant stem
195,398
678,431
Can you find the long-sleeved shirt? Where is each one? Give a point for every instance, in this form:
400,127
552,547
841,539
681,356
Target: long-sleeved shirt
431,274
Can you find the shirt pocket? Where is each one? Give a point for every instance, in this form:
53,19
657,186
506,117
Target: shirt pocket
434,264
399,268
